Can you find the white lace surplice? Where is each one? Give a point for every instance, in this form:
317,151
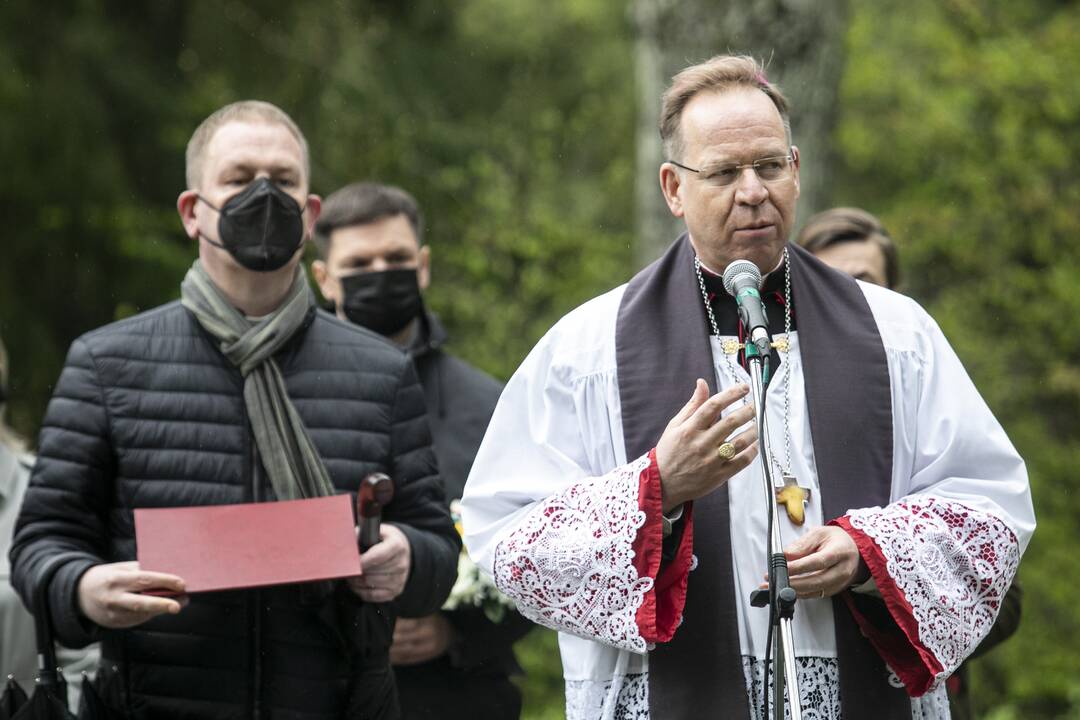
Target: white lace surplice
595,594
551,509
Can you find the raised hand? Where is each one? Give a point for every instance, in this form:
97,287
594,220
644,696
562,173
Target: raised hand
688,453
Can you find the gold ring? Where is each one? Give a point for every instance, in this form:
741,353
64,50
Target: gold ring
726,451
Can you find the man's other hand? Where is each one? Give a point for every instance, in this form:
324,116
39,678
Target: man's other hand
823,562
687,454
110,594
417,640
386,567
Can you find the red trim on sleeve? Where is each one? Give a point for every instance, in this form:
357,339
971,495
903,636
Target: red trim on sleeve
671,583
661,610
899,645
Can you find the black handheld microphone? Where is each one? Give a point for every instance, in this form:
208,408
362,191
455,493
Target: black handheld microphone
742,280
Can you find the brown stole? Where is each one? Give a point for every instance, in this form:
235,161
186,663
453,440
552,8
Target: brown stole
661,347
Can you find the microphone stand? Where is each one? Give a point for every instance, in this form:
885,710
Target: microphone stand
780,597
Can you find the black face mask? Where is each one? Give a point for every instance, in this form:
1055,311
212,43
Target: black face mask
382,301
262,227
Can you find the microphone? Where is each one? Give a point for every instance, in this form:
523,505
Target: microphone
742,280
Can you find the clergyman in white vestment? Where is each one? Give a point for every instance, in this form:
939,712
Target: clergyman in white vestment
620,503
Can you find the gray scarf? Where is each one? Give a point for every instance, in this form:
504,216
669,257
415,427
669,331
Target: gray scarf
288,455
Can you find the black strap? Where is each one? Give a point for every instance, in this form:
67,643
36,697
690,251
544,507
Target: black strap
50,677
849,401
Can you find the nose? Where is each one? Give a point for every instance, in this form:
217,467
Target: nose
379,264
749,190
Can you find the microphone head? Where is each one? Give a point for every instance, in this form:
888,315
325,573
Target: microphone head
739,273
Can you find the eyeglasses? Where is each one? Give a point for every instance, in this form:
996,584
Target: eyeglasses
768,169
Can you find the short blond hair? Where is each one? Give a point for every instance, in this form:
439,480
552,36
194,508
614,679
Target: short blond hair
242,111
721,72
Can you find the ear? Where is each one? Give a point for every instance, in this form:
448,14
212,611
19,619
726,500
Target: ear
329,286
185,206
311,215
423,267
670,184
795,168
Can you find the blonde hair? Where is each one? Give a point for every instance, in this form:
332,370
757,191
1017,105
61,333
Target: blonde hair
8,436
721,72
243,111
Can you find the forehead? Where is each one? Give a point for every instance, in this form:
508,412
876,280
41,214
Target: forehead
731,124
385,235
262,145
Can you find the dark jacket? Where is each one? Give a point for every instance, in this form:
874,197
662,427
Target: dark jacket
148,413
460,401
472,680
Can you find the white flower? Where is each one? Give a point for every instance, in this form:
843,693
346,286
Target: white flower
473,587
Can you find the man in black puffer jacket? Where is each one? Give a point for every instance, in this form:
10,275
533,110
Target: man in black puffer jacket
170,408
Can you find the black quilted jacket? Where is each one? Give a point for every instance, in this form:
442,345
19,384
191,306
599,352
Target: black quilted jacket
148,413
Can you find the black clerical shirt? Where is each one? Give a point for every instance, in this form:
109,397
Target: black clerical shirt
726,311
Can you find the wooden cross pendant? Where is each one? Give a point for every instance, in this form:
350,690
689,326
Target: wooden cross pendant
794,498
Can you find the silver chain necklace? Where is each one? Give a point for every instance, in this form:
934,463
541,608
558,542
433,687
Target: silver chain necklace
783,347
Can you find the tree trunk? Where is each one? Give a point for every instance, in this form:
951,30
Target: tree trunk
800,42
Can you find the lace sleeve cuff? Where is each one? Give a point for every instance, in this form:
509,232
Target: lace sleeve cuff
942,569
569,565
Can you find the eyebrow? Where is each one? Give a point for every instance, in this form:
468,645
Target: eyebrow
727,162
367,255
246,166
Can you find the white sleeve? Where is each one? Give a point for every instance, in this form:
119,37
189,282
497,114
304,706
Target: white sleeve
959,450
550,512
944,552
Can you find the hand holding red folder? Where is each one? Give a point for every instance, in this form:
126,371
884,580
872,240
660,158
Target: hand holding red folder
115,595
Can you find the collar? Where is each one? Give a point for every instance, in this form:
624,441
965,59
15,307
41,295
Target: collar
772,282
430,334
725,309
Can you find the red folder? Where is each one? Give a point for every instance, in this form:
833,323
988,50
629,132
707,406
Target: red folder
227,547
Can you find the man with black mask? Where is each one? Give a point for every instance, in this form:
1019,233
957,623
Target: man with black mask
373,268
242,391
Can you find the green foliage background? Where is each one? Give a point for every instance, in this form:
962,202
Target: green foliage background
961,130
513,123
